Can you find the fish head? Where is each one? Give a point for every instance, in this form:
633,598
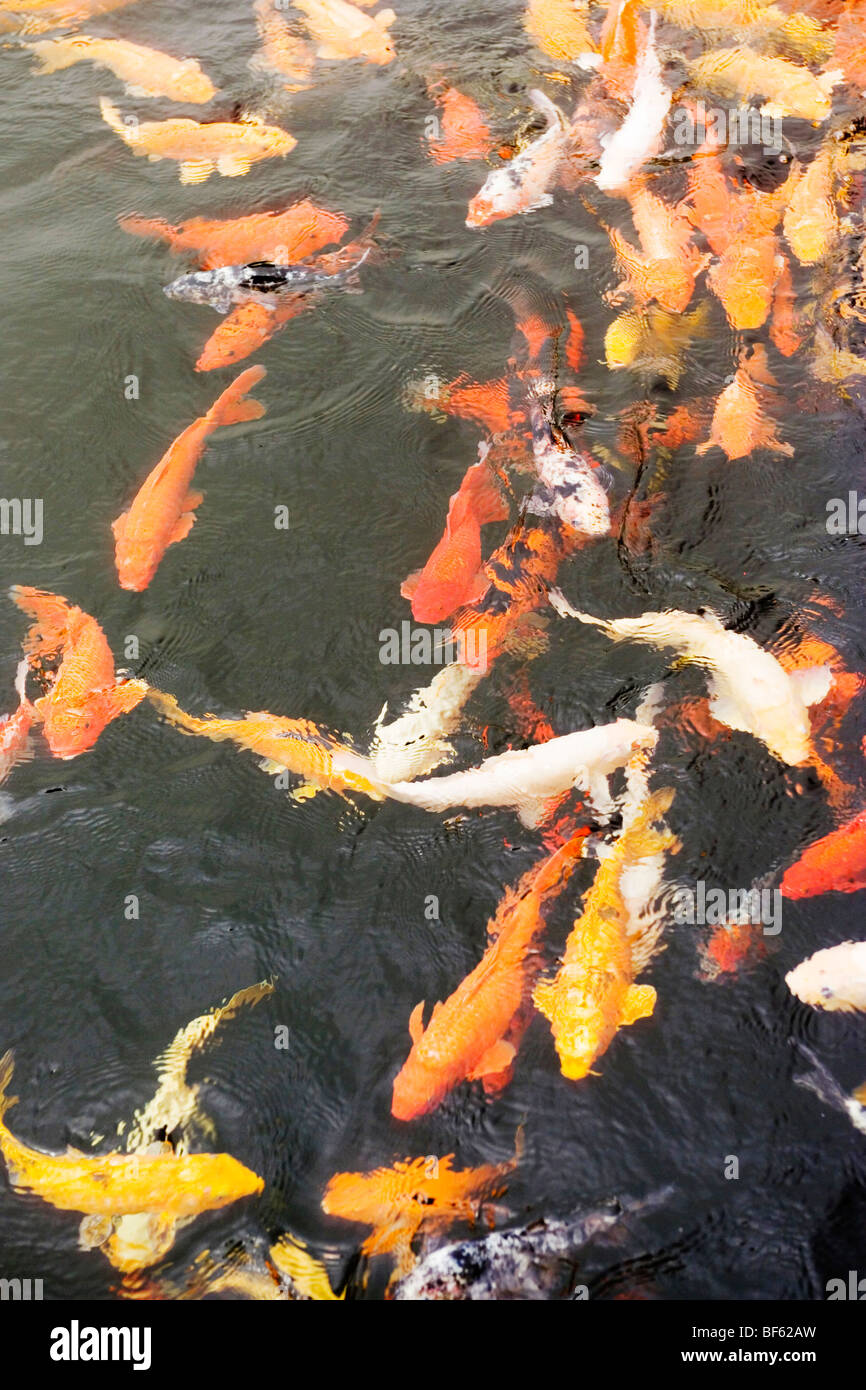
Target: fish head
193,85
136,563
376,44
72,729
499,197
198,287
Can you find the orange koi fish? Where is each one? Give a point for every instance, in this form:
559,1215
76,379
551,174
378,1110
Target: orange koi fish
146,71
485,403
849,52
786,332
788,88
342,30
453,574
282,54
284,745
163,510
834,864
112,1184
467,1036
559,28
229,148
464,131
741,229
666,267
415,1194
85,694
248,327
594,994
811,221
283,237
740,423
730,946
15,727
621,39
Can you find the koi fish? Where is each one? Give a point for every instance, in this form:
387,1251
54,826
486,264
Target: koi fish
559,28
417,741
729,946
246,329
528,779
749,689
620,42
785,328
113,1184
292,235
654,341
639,137
282,54
849,50
163,510
467,1036
485,403
833,980
229,148
668,264
789,88
827,1089
15,727
85,694
464,133
35,16
569,487
740,423
535,1263
261,282
523,184
342,30
810,221
414,1195
594,993
145,71
284,745
762,23
834,864
453,574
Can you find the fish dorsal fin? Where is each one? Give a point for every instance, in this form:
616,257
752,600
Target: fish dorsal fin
384,18
416,1023
495,1059
409,587
436,1009
181,528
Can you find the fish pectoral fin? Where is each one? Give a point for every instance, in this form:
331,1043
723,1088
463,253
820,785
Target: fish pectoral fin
305,792
544,998
192,500
495,1059
409,587
196,170
118,526
182,527
270,765
384,18
639,1003
94,1231
812,685
478,588
416,1023
233,166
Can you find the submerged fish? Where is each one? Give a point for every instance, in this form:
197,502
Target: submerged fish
749,689
834,979
284,745
15,727
85,694
594,993
528,779
463,131
282,54
827,1089
453,574
536,1263
811,220
342,30
421,1193
639,137
229,148
569,484
163,510
523,184
246,328
468,1037
834,864
559,27
740,422
291,235
146,71
667,265
788,88
654,341
261,282
165,1185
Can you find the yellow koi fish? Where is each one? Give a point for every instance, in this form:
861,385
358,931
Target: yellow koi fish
146,71
225,147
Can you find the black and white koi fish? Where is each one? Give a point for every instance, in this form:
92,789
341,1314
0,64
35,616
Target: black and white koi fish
260,282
